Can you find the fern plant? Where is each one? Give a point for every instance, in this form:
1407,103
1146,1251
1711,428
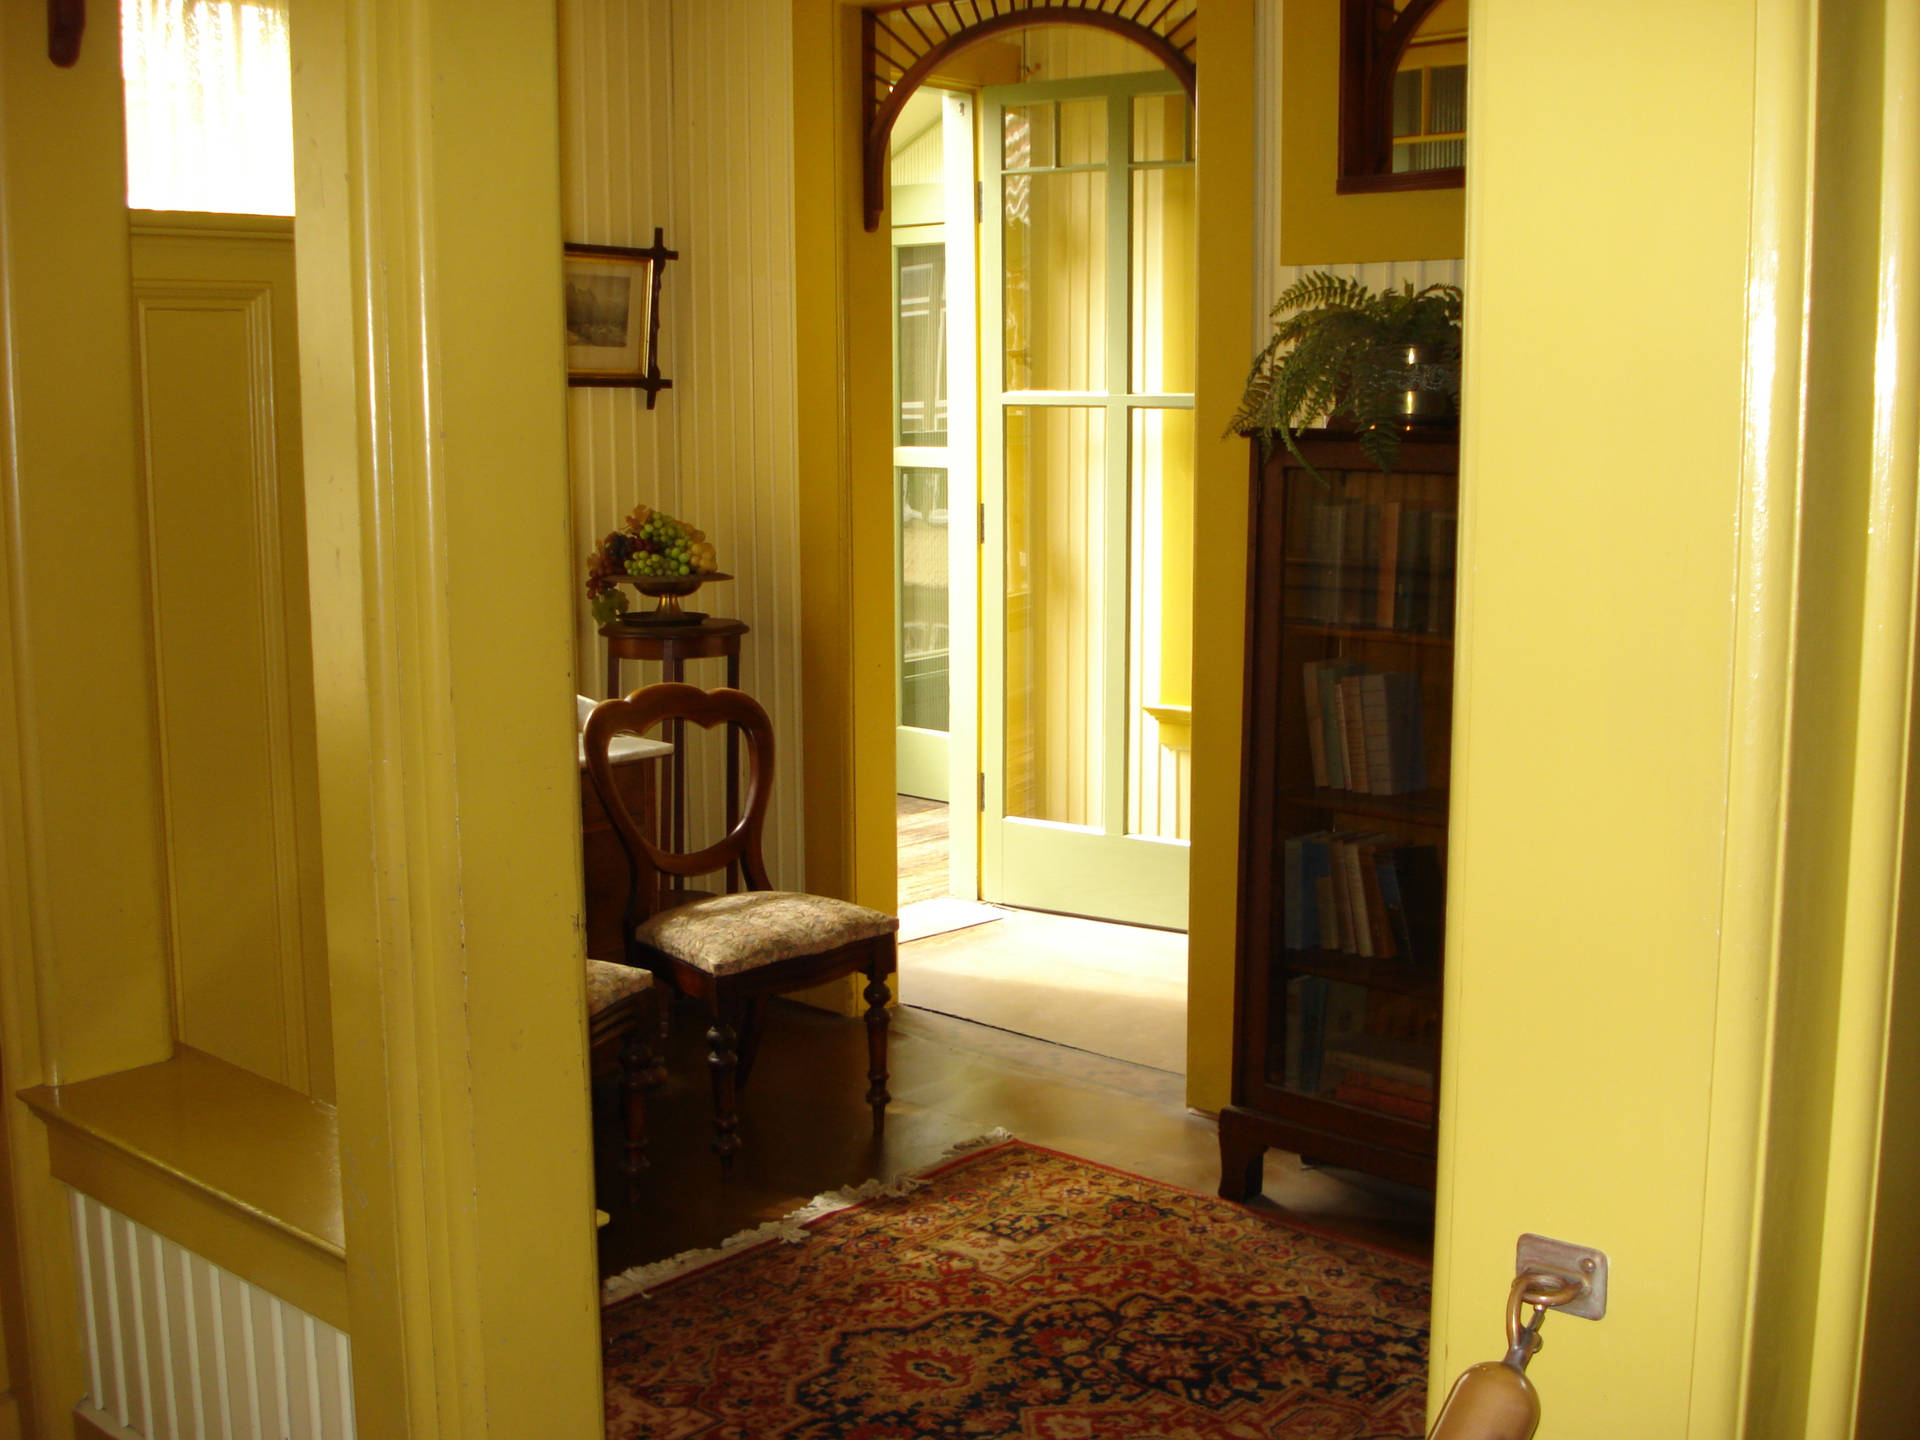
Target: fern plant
1340,348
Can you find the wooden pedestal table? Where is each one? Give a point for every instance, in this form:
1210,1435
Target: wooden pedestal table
670,647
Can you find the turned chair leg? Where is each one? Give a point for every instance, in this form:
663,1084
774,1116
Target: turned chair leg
723,1062
877,997
636,1065
751,1029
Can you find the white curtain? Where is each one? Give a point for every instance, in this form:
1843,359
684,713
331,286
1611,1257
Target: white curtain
209,105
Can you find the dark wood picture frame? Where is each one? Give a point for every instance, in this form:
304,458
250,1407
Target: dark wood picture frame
613,345
1370,53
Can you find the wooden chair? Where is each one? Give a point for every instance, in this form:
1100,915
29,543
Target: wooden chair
622,1010
730,952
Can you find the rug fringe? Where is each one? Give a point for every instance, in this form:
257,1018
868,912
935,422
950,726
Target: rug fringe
789,1229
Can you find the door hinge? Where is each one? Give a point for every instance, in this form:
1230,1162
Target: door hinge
983,522
981,802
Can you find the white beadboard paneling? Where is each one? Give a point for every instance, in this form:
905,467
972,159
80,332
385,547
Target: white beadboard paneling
678,113
179,1349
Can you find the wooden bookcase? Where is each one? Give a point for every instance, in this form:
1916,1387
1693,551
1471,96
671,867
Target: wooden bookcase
1351,572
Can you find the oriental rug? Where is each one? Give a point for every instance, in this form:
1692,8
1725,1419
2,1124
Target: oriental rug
1019,1292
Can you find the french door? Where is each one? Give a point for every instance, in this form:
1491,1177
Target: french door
936,485
1087,483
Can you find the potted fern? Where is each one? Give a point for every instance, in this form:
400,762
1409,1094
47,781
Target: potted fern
1380,361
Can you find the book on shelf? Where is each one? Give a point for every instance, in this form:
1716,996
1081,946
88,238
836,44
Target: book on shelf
1294,1031
1407,1066
1358,1091
1364,728
1380,1073
1321,1014
1443,545
1329,1049
1423,901
1349,708
1359,893
1376,552
1389,578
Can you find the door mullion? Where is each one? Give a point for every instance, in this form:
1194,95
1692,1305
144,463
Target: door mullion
993,497
1113,560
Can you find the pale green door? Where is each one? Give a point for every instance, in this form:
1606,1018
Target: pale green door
1087,469
935,467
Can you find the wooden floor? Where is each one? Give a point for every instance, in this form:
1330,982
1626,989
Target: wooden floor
805,1129
922,827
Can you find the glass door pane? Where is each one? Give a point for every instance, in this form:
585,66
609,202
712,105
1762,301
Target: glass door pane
1055,619
924,630
1055,286
920,344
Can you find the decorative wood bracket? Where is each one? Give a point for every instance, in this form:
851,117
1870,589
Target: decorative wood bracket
902,45
66,23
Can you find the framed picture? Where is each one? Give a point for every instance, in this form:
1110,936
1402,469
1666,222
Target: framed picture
612,308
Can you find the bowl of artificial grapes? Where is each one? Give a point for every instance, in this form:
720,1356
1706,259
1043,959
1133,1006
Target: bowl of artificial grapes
660,557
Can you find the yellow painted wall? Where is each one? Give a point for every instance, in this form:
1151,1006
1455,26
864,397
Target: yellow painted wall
1224,298
1317,224
845,467
1685,663
83,960
443,585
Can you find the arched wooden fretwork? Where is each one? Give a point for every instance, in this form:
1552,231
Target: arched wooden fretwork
903,44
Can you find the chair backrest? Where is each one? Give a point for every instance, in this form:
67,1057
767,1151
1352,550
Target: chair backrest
647,860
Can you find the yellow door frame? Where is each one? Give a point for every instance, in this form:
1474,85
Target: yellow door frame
1683,716
428,235
429,255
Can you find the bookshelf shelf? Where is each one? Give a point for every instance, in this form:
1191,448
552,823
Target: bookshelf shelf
1383,633
1425,807
1399,976
1349,691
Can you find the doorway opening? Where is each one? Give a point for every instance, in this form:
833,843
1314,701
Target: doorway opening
1043,447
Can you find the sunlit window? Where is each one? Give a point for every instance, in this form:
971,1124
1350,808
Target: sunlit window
209,105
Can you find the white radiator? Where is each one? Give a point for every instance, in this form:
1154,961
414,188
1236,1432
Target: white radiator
179,1349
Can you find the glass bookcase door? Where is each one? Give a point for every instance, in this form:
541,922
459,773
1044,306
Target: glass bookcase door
1366,696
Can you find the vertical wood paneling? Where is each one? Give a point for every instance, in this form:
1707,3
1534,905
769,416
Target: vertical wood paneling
179,1349
679,115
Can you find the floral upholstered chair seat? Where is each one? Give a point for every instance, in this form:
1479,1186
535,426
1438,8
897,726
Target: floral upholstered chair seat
725,934
609,983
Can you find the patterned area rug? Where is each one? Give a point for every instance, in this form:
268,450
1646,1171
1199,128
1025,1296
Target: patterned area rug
1019,1292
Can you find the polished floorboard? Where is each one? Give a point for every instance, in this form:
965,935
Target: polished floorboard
921,829
806,1129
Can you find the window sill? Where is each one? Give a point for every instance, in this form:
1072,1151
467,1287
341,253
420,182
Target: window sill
239,1170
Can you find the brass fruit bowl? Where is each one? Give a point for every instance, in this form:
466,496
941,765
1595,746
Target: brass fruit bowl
667,589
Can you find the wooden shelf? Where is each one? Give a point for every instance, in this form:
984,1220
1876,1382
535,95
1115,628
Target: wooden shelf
1315,1106
1404,977
1382,633
1422,807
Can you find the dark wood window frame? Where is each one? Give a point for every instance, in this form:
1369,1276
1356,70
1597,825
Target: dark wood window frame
1372,41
